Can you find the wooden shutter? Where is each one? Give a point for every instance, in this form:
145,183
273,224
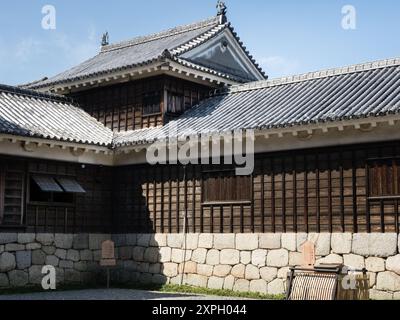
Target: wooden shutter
2,184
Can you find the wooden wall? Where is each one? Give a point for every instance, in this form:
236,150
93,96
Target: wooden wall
121,107
319,190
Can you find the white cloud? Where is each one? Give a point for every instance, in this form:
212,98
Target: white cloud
27,48
279,66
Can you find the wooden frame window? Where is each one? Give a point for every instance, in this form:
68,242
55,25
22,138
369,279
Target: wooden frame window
226,187
151,104
54,190
384,178
175,103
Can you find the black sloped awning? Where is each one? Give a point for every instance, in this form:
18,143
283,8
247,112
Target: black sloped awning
58,184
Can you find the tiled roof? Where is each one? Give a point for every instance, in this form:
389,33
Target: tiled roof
32,114
145,50
354,92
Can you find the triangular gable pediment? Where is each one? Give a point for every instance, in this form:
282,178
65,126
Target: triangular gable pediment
224,53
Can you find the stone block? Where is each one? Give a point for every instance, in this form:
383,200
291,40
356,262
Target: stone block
259,286
268,274
175,240
191,241
159,279
229,256
238,271
259,257
7,262
170,269
38,257
71,275
212,257
49,250
283,273
245,257
289,241
206,240
196,280
330,259
270,241
12,247
247,241
165,254
375,244
354,261
143,240
222,270
126,253
63,241
81,266
35,275
33,246
341,243
131,239
18,278
300,239
45,239
241,285
388,281
66,264
374,264
119,239
25,238
252,272
95,240
278,258
229,283
393,264
4,282
199,255
322,243
138,253
215,283
224,241
158,240
86,255
6,238
205,270
24,259
52,261
276,287
188,267
80,241
380,295
61,253
295,259
73,255
177,255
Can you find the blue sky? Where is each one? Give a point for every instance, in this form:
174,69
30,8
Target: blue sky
286,36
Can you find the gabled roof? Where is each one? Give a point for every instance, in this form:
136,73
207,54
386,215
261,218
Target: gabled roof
141,51
368,90
31,114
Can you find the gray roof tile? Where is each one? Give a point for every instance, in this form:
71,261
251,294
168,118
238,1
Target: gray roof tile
32,114
360,91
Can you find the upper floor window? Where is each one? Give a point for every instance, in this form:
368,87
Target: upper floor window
226,186
175,103
384,178
152,104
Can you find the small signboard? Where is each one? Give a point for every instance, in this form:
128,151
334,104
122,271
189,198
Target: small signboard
108,254
308,249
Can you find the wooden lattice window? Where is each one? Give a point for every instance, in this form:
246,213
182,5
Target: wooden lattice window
384,178
152,104
175,103
226,186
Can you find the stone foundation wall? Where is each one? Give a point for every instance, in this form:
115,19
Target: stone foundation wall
240,262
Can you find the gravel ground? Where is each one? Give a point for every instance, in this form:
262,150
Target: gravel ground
111,294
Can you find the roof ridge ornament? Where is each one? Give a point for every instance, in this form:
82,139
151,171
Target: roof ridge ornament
105,40
222,10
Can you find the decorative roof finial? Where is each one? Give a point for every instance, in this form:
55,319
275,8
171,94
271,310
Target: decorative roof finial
222,10
105,39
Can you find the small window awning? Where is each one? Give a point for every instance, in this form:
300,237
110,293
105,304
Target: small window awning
70,185
47,184
58,184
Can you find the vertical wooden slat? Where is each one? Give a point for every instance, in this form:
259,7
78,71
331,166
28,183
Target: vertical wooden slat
318,194
231,220
354,191
162,200
194,200
382,216
306,194
283,195
263,196
330,193
396,215
294,195
221,219
154,200
273,197
212,219
341,186
170,201
252,204
241,219
2,191
367,203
